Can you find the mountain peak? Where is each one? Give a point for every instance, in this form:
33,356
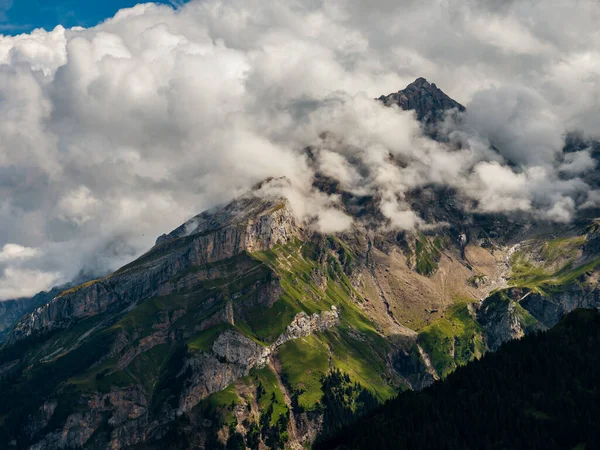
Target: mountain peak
262,200
425,98
420,82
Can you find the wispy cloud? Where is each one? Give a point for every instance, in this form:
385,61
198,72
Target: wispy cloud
9,27
113,135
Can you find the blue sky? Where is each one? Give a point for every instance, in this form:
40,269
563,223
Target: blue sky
21,16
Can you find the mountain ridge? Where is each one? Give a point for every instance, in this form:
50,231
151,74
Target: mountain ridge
428,101
524,396
239,325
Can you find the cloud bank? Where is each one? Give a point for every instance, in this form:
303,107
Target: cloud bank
113,135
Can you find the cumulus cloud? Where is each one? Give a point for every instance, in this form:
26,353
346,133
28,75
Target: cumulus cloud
17,280
11,252
577,163
519,122
113,135
77,206
16,283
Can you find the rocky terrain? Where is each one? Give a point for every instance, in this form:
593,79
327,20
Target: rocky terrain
11,311
532,384
230,330
428,101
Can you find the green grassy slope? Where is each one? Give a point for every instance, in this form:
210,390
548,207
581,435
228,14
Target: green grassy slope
541,392
146,345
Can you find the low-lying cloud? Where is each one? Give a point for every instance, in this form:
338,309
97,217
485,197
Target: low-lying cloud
113,135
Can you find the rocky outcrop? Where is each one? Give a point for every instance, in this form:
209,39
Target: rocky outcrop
127,412
11,311
209,375
236,348
426,99
550,309
62,311
501,322
304,325
249,209
234,355
248,224
514,312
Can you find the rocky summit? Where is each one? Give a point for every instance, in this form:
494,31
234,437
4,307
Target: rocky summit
246,328
428,101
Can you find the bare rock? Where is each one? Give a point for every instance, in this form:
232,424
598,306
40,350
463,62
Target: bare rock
426,99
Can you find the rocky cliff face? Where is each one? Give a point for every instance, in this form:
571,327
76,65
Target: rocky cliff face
12,311
548,310
426,99
244,318
229,326
304,325
249,224
127,411
515,312
234,355
502,319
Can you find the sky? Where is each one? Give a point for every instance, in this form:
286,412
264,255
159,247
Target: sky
23,16
113,134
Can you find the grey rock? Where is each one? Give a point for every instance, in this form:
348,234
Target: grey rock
234,355
426,99
500,322
236,348
304,325
251,224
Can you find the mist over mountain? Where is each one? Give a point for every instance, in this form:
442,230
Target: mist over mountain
241,224
113,134
279,318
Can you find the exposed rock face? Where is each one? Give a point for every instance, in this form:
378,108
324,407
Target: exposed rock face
234,355
236,348
259,214
305,325
523,311
248,224
501,323
426,99
128,411
548,310
11,311
62,311
209,374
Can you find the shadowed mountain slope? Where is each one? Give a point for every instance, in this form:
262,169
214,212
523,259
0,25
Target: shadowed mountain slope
245,327
537,393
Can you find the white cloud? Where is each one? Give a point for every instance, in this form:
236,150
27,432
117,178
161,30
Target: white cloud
577,163
16,283
507,34
333,221
11,252
562,210
113,135
498,188
592,199
77,206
